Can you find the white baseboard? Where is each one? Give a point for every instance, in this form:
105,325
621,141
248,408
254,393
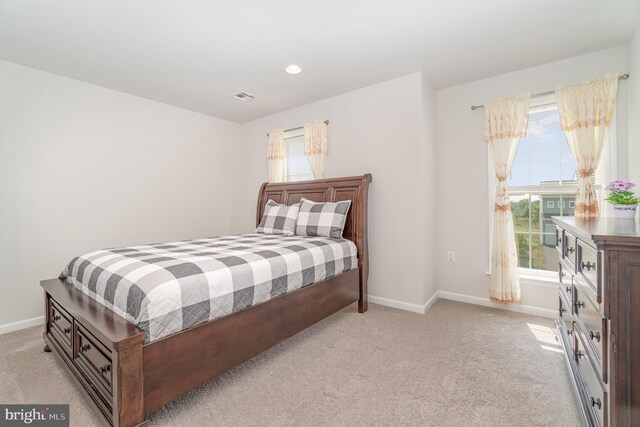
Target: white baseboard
406,306
519,308
22,324
431,301
401,305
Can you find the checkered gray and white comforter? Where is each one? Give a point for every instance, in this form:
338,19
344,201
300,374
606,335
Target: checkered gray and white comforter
165,288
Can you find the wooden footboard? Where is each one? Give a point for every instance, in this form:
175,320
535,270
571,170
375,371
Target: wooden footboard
126,379
181,362
102,351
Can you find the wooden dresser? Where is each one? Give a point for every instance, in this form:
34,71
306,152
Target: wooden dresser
599,316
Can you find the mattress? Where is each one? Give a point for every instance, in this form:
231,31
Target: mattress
168,287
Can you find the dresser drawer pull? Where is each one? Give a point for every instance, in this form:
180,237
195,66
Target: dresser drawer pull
587,266
580,304
579,355
567,288
559,240
67,331
562,310
104,369
596,402
595,336
85,348
56,317
569,331
570,250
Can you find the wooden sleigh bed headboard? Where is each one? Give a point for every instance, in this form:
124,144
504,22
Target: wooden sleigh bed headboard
354,188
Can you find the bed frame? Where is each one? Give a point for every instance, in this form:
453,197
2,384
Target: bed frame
127,379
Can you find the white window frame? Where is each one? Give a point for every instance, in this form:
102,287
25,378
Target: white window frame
290,136
609,165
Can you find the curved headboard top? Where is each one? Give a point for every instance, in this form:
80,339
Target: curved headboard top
352,188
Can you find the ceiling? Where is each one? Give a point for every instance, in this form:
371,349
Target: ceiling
196,54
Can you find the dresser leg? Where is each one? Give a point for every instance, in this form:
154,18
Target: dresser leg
47,349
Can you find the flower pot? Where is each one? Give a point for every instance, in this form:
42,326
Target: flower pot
625,211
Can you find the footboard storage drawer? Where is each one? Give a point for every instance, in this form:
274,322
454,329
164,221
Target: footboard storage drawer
94,360
85,356
103,352
60,326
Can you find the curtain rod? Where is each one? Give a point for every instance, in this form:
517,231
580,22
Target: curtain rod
475,107
326,122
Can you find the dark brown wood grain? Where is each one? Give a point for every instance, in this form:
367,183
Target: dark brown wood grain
128,386
143,377
618,285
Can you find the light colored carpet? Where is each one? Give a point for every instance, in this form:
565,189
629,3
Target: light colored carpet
458,365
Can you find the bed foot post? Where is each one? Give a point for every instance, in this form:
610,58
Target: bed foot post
363,301
128,398
46,349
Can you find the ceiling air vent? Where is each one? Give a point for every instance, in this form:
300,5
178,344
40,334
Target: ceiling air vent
243,96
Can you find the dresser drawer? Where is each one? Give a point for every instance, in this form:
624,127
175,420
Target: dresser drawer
566,319
593,325
588,265
569,249
60,326
565,310
593,393
566,284
94,360
559,241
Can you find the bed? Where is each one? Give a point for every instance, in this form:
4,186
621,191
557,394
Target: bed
129,363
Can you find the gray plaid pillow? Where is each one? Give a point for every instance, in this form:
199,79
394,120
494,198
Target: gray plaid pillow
322,219
278,219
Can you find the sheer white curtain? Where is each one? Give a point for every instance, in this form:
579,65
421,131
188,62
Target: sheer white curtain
276,156
315,146
506,123
585,115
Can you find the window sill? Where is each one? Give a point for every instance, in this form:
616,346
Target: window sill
543,281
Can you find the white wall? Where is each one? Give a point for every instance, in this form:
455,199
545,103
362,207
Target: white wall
83,167
378,129
462,190
633,90
429,192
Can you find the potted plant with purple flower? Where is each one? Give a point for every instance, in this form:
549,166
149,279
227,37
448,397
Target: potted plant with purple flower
624,201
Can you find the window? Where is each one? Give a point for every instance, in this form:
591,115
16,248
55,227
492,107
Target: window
297,167
542,184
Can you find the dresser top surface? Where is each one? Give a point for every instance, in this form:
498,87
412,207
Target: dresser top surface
602,229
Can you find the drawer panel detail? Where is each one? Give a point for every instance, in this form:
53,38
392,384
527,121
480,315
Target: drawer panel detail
594,394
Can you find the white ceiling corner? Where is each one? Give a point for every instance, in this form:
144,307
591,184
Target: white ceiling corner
197,55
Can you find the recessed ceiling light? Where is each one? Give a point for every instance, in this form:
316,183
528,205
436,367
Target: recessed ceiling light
293,69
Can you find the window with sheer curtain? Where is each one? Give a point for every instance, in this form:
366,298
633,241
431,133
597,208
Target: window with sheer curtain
297,166
543,183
